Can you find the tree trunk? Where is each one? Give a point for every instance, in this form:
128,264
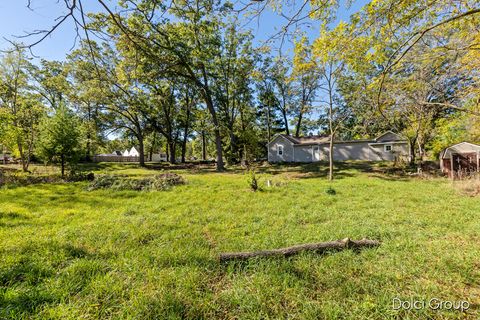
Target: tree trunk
330,157
218,145
22,156
285,120
299,124
187,126
141,150
421,151
184,149
330,124
63,165
218,136
412,151
269,134
233,147
172,147
185,138
167,151
89,136
204,146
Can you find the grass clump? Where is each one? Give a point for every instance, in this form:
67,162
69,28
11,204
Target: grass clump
159,182
330,191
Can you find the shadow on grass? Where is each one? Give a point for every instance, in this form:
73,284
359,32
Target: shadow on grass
28,280
25,303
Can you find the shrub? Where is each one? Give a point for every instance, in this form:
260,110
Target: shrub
159,182
252,180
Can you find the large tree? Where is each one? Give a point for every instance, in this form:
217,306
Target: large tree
20,106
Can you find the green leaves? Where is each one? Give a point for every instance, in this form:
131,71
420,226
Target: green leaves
60,137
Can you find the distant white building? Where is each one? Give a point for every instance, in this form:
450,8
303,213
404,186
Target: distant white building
133,152
131,155
156,157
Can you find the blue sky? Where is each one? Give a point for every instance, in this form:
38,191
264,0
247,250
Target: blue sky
16,19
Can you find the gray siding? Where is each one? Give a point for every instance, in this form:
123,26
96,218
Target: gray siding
361,150
287,150
364,151
353,151
303,153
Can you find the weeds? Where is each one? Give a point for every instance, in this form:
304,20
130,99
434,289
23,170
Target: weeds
469,186
117,182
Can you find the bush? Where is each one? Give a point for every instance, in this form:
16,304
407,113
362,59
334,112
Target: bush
252,180
159,182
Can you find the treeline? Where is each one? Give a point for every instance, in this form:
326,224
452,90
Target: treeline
186,78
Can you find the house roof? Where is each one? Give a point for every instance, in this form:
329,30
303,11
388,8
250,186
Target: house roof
462,147
321,139
313,139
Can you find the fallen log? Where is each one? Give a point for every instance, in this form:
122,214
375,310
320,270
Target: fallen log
320,247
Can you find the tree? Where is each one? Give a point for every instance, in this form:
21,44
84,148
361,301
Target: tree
19,105
231,87
60,138
268,116
51,82
188,44
306,80
88,94
279,73
112,91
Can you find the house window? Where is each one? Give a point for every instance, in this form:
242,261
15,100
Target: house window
388,148
279,150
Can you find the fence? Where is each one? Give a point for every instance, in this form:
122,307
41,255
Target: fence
99,158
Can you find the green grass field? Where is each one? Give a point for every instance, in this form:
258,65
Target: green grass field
67,253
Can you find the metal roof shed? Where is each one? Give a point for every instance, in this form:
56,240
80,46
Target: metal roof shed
461,158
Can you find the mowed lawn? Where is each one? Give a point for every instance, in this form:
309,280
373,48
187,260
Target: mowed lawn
68,253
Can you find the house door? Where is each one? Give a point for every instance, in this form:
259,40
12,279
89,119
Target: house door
316,153
465,163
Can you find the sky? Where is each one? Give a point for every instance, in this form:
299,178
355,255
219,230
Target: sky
17,20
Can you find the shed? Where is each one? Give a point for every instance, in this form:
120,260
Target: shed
461,158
